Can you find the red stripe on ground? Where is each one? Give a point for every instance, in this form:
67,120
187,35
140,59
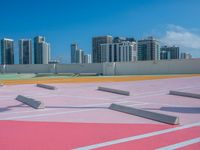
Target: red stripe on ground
158,141
19,135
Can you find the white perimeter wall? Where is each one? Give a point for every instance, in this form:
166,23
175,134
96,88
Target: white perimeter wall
51,68
159,67
37,68
80,68
141,67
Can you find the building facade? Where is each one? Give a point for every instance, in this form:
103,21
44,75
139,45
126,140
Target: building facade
79,56
96,47
169,52
148,49
41,50
74,48
7,51
87,59
186,56
25,51
121,50
45,52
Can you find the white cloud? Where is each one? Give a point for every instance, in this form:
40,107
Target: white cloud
179,36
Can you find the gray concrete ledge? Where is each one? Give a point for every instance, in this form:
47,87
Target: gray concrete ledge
185,94
30,102
53,74
46,86
146,114
88,74
127,93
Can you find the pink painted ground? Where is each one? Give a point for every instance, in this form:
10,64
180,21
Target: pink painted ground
82,103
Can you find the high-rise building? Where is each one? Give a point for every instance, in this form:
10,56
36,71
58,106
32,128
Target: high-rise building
25,51
45,52
148,49
7,51
87,59
74,48
186,56
169,52
122,39
41,50
96,47
121,50
79,56
164,55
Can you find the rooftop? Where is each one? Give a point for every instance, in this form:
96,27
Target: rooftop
77,115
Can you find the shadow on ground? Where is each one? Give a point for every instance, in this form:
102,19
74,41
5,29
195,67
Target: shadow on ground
8,108
75,107
192,110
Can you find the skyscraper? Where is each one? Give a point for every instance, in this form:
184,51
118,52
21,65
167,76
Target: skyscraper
87,59
148,49
45,52
169,52
121,50
185,56
74,47
41,50
7,51
96,46
79,56
25,51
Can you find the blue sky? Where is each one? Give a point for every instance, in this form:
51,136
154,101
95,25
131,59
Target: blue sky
63,22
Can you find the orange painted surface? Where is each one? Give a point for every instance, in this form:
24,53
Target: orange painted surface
93,79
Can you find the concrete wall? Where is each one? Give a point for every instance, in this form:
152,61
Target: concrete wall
80,68
27,68
159,67
109,69
130,68
52,68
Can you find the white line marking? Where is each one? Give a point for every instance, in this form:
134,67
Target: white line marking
124,100
98,104
151,103
108,98
47,114
146,93
17,112
62,112
181,144
138,104
137,137
47,109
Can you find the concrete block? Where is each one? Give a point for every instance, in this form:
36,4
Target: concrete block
114,91
146,114
46,86
30,102
185,94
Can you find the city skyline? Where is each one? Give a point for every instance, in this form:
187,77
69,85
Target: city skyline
104,49
169,21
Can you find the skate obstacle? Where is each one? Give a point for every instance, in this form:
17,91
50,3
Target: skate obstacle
146,114
49,87
116,91
30,102
185,94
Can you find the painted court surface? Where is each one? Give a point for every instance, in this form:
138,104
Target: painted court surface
76,116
